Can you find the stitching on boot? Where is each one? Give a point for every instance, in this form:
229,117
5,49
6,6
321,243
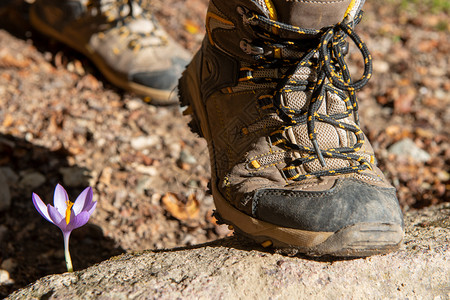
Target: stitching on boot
220,10
302,187
267,153
266,166
334,190
228,151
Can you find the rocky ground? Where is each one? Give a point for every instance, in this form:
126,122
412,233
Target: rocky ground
61,122
232,268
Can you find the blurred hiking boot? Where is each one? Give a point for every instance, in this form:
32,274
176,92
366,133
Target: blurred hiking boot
14,16
123,40
6,3
271,93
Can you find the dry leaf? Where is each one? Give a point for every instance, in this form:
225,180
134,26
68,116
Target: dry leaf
191,27
8,120
89,82
179,209
9,61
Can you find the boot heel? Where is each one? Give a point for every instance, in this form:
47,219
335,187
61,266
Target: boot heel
190,95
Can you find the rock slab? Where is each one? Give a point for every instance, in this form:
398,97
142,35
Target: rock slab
234,269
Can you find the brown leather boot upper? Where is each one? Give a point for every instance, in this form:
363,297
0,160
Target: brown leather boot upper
280,115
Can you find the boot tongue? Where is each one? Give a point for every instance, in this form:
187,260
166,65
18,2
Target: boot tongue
311,14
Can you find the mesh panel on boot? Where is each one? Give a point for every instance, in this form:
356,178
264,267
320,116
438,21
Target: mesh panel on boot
296,99
332,163
366,178
248,85
265,73
273,158
335,104
272,121
327,136
288,53
262,4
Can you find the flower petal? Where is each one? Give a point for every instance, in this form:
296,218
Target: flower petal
83,200
78,221
92,208
56,217
60,199
40,207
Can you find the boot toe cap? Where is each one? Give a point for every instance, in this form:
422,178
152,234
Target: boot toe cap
347,203
165,79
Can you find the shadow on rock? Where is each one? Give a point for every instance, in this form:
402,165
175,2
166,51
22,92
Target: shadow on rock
31,247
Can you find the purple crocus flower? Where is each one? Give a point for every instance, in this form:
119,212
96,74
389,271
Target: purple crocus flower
65,214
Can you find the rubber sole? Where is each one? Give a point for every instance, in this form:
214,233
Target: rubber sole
358,240
151,95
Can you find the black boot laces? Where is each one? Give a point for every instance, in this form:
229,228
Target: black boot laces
323,51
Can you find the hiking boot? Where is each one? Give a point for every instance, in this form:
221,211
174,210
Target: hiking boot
123,40
271,93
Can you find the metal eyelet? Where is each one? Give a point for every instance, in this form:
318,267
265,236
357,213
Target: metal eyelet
345,47
250,49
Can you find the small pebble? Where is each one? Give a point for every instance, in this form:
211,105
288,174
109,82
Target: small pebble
4,278
149,170
134,104
143,142
407,147
9,265
75,176
381,66
32,180
186,157
10,175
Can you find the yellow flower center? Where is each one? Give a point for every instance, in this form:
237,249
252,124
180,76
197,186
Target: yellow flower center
68,211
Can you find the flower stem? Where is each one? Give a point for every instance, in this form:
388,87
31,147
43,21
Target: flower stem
66,252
